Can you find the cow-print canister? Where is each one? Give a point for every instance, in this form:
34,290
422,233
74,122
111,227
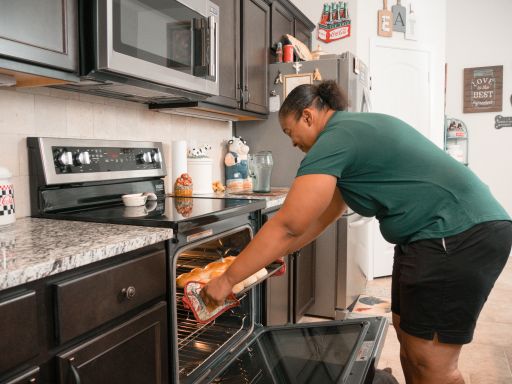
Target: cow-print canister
7,210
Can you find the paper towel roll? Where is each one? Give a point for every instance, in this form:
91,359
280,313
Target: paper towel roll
179,159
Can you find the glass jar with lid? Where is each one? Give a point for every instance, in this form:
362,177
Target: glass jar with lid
260,170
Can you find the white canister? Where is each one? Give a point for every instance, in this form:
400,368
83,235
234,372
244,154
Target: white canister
7,214
200,170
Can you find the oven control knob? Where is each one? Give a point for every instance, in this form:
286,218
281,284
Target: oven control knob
157,157
83,158
65,158
146,157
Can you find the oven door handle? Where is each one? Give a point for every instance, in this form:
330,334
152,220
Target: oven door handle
359,223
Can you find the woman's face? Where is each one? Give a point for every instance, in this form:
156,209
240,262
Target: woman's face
303,131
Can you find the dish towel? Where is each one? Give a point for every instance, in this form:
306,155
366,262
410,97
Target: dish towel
194,302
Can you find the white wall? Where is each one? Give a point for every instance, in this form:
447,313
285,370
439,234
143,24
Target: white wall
485,41
431,27
51,112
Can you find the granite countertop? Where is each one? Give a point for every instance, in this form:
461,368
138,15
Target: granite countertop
32,249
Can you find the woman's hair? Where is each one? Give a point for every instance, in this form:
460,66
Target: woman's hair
325,95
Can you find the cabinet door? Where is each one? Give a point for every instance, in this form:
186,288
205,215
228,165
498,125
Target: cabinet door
134,352
28,377
277,298
255,48
40,31
302,33
18,330
282,23
304,280
229,54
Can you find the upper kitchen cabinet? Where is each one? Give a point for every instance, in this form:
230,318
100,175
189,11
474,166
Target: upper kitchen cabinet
38,37
255,47
287,19
229,55
243,57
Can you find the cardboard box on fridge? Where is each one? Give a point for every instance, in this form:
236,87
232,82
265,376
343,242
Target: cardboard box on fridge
334,31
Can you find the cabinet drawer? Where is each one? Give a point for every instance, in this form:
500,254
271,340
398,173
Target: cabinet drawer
88,301
18,330
28,377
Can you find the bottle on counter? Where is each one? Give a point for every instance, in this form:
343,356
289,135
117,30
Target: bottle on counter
7,212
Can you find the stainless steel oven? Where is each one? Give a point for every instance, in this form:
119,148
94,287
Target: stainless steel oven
149,50
78,179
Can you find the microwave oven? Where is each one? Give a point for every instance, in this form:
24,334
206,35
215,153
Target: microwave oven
149,51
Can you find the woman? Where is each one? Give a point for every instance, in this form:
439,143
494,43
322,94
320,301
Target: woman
452,237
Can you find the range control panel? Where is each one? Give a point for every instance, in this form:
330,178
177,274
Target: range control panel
104,159
70,160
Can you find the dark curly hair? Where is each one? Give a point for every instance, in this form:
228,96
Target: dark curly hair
327,94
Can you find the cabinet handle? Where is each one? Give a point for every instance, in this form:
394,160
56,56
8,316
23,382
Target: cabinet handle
129,293
74,371
246,90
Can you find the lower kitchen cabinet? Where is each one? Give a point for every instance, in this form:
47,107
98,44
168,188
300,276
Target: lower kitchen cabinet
303,280
134,352
100,323
18,330
288,297
28,377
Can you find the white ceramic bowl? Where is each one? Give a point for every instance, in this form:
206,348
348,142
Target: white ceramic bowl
134,200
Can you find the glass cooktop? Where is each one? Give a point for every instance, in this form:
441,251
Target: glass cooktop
167,213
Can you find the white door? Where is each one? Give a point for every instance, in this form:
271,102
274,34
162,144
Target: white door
400,85
401,88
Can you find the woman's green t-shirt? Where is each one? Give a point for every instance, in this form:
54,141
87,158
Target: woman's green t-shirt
385,168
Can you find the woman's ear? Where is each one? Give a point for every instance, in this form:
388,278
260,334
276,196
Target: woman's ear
307,116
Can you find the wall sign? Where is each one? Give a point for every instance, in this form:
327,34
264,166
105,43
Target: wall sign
483,89
502,122
335,22
399,17
384,20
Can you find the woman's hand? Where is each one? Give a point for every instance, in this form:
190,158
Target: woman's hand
215,292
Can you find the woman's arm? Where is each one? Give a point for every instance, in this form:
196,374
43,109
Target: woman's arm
305,206
335,209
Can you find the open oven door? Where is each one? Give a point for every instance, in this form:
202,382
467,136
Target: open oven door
329,352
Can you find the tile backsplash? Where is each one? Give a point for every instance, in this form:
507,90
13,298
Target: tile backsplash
52,112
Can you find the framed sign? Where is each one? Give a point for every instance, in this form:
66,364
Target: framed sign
292,81
483,89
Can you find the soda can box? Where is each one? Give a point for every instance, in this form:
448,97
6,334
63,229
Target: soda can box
334,31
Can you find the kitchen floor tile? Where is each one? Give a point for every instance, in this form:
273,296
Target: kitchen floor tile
491,333
481,359
486,379
508,353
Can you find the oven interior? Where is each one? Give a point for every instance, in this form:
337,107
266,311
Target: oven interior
198,344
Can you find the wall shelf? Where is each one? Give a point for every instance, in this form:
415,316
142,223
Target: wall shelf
456,139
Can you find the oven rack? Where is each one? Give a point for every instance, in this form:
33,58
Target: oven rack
197,342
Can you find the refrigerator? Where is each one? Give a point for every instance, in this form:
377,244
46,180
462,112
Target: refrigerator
341,262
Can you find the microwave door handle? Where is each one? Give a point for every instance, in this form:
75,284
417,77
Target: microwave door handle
212,67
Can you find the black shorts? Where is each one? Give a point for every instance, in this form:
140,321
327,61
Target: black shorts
439,286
